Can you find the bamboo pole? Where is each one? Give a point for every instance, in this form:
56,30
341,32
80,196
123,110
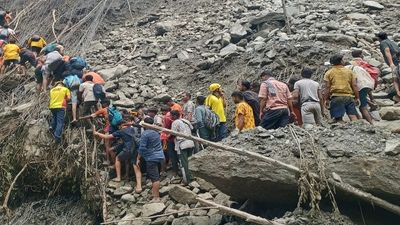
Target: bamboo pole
235,212
340,185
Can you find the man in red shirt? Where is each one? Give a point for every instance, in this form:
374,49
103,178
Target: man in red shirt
171,156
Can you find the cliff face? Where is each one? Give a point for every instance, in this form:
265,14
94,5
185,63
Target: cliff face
148,49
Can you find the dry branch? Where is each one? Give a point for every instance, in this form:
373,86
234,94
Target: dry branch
53,25
234,212
158,216
342,186
5,203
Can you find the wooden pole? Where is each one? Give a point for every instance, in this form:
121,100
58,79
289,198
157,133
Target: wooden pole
234,212
340,185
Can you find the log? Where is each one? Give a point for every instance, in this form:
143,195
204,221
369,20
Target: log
5,203
340,185
234,212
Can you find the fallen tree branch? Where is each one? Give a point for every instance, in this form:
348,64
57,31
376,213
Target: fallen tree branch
53,25
234,212
5,203
342,186
158,216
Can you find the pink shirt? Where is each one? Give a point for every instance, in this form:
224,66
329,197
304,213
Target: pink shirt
279,101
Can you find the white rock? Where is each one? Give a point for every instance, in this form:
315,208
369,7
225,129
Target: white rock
373,5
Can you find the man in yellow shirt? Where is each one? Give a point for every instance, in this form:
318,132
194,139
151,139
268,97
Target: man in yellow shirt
36,43
244,117
10,54
216,102
341,88
59,96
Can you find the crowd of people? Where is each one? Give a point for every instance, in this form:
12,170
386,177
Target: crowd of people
272,104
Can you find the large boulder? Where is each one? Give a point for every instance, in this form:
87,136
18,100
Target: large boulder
390,113
114,72
362,162
337,38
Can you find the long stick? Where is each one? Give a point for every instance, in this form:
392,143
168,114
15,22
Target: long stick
5,203
248,217
162,215
53,25
342,186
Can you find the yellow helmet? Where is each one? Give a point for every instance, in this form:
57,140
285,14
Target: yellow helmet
214,87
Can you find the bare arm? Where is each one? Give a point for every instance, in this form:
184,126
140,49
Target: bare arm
355,89
263,103
389,57
240,122
321,99
103,136
396,85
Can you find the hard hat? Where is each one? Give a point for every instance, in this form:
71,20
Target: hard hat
214,87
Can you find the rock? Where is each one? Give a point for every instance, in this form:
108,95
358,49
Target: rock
392,126
206,196
384,102
183,56
390,113
115,72
337,38
215,219
226,39
125,103
380,95
128,198
164,27
267,16
163,58
134,222
365,166
182,195
97,46
191,220
229,50
204,185
153,209
237,32
37,138
359,16
164,191
392,147
373,5
119,192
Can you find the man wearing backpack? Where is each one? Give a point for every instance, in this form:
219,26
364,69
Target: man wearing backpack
183,147
216,102
6,32
276,105
89,98
11,55
201,119
36,43
51,62
97,79
59,95
73,82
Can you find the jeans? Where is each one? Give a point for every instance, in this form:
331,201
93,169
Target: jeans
173,155
184,160
222,131
57,123
274,119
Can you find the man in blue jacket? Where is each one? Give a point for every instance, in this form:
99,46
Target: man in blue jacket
150,150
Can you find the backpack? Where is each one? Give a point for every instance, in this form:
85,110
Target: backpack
78,63
2,17
211,119
114,116
35,38
4,33
49,48
98,92
72,81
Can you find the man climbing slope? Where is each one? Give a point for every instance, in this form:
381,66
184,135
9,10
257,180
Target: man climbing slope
59,96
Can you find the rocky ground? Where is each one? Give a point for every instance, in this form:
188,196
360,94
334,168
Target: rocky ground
167,47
